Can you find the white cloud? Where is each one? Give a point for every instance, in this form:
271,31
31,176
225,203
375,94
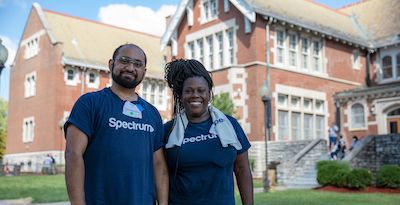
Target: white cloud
11,47
137,18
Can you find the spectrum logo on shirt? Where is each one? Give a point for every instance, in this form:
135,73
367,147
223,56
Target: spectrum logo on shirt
199,138
117,124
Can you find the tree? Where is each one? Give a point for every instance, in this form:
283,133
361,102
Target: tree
3,127
224,103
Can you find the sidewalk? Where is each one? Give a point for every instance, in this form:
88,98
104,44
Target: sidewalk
28,201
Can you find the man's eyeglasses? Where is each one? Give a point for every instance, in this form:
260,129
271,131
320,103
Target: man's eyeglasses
126,61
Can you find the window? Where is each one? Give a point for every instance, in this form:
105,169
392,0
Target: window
32,48
28,129
191,50
209,10
319,106
299,119
398,64
283,100
357,116
30,84
210,52
356,59
92,79
280,47
319,126
296,126
220,49
307,104
308,126
292,49
154,91
226,5
305,53
230,46
283,125
387,71
200,47
71,76
316,56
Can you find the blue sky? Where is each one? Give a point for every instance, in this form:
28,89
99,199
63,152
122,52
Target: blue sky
14,13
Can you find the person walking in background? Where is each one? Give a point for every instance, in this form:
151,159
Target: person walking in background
333,132
354,142
204,147
114,151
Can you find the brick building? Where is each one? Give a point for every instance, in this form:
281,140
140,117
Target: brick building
59,58
308,52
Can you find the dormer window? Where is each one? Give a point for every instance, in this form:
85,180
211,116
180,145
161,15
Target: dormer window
32,48
71,76
92,79
390,65
209,10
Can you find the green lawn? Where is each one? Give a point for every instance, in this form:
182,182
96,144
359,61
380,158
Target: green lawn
52,188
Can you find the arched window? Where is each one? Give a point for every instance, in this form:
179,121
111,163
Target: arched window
357,116
387,71
70,74
92,78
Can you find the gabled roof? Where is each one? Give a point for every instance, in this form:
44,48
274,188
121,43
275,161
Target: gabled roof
380,19
372,23
91,44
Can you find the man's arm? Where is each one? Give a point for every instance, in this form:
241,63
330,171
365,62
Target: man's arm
74,165
244,178
161,175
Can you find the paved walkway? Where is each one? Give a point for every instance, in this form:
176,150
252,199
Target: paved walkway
28,201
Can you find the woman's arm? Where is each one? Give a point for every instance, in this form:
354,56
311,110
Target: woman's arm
244,178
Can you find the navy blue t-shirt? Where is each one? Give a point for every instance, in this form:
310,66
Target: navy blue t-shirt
119,155
201,170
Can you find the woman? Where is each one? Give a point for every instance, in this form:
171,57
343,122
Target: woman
203,146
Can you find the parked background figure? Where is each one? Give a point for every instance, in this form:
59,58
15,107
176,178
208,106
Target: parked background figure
333,132
114,152
47,164
204,146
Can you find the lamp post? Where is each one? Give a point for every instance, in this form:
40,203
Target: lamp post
265,93
3,57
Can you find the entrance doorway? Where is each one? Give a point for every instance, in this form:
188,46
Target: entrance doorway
393,121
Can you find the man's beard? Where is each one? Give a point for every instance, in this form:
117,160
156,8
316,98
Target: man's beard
125,82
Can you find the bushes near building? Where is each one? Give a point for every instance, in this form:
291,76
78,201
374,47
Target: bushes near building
389,176
340,174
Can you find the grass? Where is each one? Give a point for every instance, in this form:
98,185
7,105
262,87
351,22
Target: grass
41,188
52,189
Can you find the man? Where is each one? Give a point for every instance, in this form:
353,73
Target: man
114,140
333,131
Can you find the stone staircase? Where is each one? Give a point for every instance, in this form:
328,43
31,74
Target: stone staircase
300,171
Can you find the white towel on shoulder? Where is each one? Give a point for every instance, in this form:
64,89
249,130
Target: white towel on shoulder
221,126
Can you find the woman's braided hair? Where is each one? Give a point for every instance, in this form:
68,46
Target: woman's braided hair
177,71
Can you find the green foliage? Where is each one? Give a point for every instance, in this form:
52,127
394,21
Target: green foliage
359,178
224,103
389,176
341,178
332,172
3,127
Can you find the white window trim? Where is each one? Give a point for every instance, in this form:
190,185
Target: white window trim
284,48
28,135
24,43
392,52
96,83
226,6
320,64
356,63
73,82
307,68
295,50
247,24
189,13
302,93
203,18
148,91
29,85
350,117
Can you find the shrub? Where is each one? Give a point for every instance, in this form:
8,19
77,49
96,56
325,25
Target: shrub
359,178
330,172
340,179
389,176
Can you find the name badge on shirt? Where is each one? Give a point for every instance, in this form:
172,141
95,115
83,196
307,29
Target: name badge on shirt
132,110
